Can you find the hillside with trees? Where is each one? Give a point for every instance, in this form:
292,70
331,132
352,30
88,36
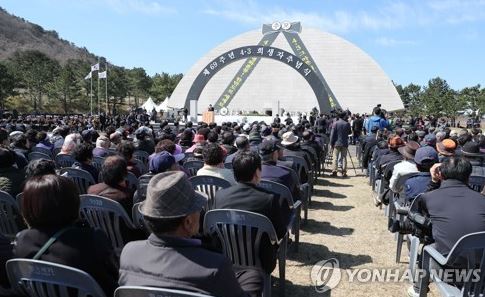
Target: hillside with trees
39,71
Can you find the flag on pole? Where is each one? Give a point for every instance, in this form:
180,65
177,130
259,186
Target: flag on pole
95,67
102,74
90,74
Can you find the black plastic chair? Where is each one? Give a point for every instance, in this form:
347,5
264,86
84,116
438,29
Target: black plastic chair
10,219
476,183
98,163
63,160
37,156
142,156
236,230
134,291
284,191
81,178
40,278
193,166
106,214
209,185
42,150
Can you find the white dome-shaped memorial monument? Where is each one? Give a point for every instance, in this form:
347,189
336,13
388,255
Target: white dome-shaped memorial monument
287,66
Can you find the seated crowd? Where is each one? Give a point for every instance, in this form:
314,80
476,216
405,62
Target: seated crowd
434,172
149,172
172,251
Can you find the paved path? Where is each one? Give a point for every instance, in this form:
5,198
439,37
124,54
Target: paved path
344,224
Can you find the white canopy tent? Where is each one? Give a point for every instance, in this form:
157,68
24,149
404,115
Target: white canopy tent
149,105
164,105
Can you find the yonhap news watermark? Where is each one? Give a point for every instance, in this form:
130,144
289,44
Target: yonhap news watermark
327,274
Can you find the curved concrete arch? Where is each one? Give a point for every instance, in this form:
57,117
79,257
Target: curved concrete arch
356,81
255,51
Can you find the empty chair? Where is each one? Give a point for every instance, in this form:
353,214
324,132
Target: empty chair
38,155
240,234
42,150
209,185
107,215
142,156
476,183
193,166
40,278
81,178
98,163
134,291
63,160
468,251
295,207
10,219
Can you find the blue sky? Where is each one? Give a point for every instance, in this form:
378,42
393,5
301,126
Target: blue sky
412,40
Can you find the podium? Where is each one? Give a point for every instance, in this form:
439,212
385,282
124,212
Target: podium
208,117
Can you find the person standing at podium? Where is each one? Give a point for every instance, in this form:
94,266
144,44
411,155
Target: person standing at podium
210,108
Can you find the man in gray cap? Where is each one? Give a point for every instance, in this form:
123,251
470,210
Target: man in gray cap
171,258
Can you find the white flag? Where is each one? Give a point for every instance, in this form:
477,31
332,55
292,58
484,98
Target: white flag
95,67
89,75
102,74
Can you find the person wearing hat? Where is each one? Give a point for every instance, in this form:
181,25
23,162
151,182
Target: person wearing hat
404,167
170,257
339,143
157,163
395,143
246,195
424,158
429,139
268,150
471,152
213,163
446,149
291,147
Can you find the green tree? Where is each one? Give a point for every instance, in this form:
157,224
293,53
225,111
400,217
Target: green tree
163,85
7,84
439,99
472,98
117,87
139,83
35,71
67,86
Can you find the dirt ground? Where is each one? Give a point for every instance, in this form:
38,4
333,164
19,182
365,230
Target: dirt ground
343,223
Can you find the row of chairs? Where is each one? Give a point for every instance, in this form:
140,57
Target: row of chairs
471,246
106,214
35,278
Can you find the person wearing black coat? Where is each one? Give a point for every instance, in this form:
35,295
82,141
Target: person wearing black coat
50,204
5,255
246,195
